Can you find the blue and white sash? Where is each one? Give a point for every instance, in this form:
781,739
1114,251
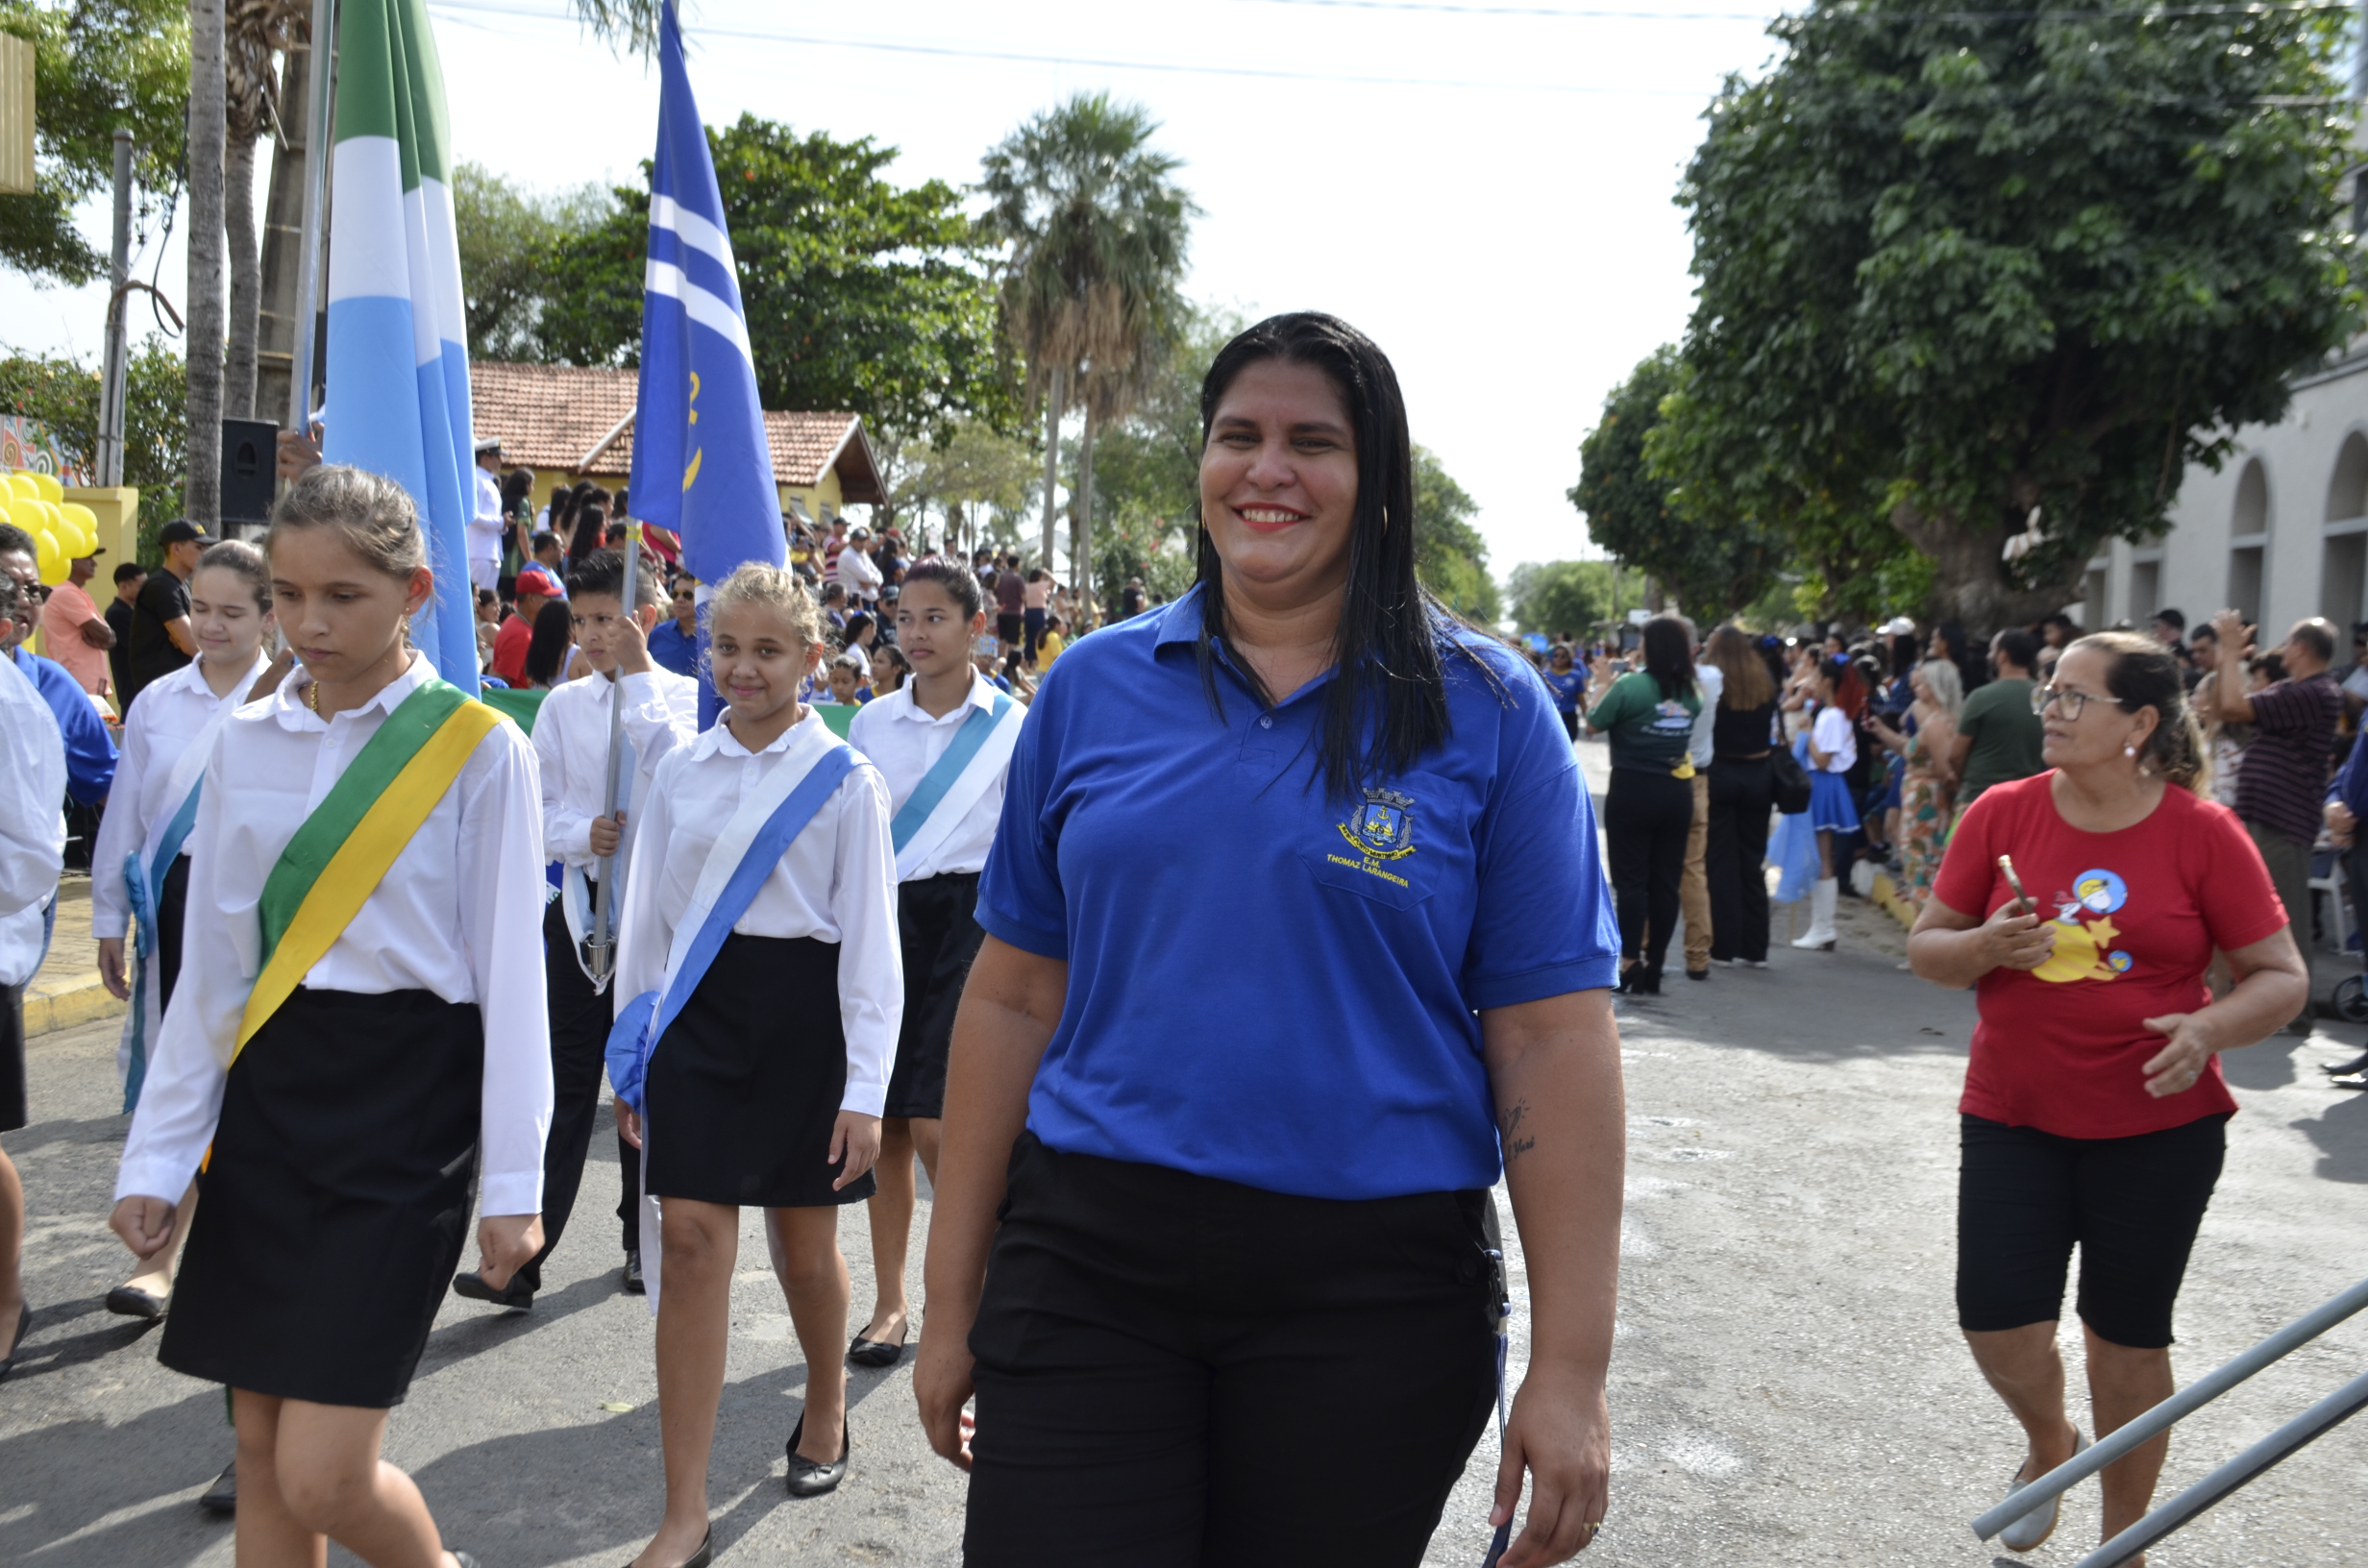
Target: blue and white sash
144,870
743,856
969,766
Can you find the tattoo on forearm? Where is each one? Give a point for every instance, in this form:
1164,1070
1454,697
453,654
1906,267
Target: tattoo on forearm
1509,1126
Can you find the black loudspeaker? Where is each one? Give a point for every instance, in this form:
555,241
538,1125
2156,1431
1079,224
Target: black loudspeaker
250,469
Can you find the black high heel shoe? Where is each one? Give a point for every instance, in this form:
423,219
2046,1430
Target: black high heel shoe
701,1558
809,1479
24,1326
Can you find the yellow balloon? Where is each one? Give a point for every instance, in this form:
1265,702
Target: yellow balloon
50,557
50,490
27,514
22,485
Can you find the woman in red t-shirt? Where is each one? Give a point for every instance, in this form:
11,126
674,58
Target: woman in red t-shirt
2094,1112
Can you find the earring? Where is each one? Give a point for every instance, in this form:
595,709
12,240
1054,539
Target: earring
2128,751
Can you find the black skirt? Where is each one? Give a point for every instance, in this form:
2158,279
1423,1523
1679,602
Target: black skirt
15,1104
743,1089
937,921
337,1199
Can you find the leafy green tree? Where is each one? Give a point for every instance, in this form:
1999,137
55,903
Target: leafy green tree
1958,265
509,235
62,393
1451,557
1710,566
1097,227
1560,596
861,295
97,64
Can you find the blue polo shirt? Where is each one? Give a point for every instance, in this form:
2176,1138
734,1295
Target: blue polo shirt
90,755
671,647
1267,985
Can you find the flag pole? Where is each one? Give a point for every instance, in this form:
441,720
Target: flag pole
602,947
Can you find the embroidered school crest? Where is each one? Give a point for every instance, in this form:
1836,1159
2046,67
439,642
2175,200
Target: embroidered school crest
1383,828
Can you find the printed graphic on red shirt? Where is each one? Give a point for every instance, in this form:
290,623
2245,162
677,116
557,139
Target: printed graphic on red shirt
2087,938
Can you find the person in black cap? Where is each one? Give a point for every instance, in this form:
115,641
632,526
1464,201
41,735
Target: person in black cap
162,641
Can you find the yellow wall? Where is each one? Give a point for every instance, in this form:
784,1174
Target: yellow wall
119,513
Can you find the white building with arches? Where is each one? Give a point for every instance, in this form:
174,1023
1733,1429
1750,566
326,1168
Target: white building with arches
2278,533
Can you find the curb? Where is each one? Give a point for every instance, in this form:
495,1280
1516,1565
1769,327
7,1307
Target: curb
1887,894
80,1002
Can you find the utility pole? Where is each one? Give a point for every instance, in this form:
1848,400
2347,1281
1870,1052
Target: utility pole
322,66
115,372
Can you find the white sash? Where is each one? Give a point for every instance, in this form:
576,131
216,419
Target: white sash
984,772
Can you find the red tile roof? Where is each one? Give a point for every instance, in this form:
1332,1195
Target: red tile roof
551,416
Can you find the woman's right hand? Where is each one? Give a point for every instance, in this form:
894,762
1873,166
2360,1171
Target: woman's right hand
628,1123
112,974
145,1224
2014,938
942,1385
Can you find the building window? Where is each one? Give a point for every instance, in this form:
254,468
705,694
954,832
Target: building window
2092,600
2245,583
2346,489
2345,577
2145,591
2252,514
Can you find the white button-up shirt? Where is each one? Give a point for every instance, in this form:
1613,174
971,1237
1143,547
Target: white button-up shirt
903,740
32,821
459,913
856,573
837,882
485,525
571,741
168,717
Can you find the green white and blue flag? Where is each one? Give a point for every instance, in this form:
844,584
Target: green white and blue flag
398,400
701,463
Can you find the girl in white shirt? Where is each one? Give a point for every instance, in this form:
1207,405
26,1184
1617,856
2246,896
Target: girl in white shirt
1835,686
141,861
753,1087
907,734
352,1035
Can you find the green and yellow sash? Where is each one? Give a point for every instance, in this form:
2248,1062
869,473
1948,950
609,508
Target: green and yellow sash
342,851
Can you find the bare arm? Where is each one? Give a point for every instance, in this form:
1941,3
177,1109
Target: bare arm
1010,1006
1952,948
97,633
2231,704
2272,985
184,639
1554,1070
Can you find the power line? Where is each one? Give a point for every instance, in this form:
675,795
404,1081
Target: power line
476,10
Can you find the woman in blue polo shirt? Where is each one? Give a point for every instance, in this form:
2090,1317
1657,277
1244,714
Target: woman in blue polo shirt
1295,928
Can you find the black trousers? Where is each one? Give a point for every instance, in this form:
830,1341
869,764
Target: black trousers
172,905
1175,1370
1646,815
579,1021
1741,795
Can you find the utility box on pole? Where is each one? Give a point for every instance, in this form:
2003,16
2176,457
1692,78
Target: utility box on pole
16,116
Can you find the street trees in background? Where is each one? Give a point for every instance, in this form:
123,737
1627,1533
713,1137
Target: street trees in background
202,493
255,34
1956,266
509,238
62,393
1450,558
1560,596
860,296
1713,558
1097,226
97,64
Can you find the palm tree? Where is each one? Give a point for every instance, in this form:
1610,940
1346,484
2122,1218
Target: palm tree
254,32
202,500
1097,226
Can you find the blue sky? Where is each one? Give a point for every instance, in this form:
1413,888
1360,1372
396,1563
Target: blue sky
1486,190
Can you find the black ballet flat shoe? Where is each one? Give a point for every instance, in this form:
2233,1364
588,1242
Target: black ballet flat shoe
130,1301
24,1326
221,1499
807,1479
1690,975
633,1285
704,1556
874,1353
472,1286
2346,1069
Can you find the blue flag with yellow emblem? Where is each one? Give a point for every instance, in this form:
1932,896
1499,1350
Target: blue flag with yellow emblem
701,463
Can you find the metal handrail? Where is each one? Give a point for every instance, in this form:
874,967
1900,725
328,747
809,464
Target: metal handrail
2197,1394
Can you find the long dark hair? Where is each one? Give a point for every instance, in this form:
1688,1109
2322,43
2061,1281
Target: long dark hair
1669,655
547,646
1388,651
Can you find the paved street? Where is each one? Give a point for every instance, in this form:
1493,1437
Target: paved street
1789,1387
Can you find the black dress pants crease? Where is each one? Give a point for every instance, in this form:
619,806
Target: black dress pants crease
580,1019
1176,1371
1646,815
1742,793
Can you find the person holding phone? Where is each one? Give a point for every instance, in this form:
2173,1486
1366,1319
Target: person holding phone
2094,1111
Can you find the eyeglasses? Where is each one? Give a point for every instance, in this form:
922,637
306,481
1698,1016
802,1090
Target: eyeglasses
2068,699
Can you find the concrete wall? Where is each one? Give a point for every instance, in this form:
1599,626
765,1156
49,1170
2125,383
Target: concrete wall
2278,533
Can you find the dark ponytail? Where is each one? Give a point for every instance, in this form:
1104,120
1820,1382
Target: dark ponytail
2143,675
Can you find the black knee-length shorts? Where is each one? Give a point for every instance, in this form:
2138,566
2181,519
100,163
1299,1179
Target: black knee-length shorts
2132,1205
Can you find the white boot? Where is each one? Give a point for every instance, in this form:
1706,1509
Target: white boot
1821,916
